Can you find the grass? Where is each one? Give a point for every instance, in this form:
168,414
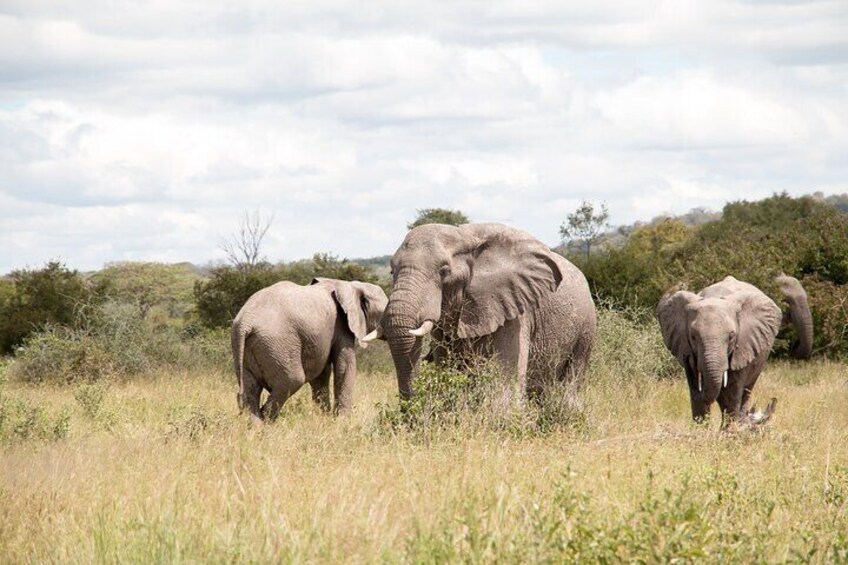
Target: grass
163,469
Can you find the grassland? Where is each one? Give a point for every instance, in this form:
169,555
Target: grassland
162,469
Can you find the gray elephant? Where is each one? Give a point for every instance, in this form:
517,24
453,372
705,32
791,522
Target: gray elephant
722,337
489,288
286,335
798,315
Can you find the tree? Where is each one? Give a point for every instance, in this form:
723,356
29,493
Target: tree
439,216
51,295
586,225
243,248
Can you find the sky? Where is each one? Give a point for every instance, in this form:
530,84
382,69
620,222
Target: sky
146,130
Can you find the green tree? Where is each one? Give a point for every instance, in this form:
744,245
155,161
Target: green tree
438,216
585,224
50,295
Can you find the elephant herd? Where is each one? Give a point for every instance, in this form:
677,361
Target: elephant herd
492,290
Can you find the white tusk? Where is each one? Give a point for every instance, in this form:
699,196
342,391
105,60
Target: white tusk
700,386
376,334
724,380
425,328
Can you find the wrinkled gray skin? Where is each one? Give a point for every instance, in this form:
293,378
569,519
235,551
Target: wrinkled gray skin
798,315
728,327
492,289
287,335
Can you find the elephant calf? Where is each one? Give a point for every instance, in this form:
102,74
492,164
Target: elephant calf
722,337
287,335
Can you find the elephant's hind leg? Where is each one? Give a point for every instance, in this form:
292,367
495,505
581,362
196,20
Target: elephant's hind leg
321,388
252,395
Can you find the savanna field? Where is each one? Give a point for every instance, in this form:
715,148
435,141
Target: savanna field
162,468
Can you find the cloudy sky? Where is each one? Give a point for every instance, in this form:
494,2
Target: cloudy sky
144,130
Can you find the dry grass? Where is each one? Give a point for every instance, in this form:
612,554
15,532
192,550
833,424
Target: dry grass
163,469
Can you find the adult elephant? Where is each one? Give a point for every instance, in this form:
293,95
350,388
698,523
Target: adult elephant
722,337
488,288
798,315
286,335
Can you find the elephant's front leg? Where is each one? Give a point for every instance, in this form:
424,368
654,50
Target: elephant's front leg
344,378
321,388
730,399
700,401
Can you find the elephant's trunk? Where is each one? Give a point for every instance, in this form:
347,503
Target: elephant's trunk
714,367
802,319
401,316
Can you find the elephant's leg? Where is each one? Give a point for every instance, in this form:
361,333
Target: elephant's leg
321,388
730,400
344,378
701,399
511,346
271,408
252,395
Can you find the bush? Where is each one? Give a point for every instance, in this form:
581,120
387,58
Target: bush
630,342
20,420
36,298
113,341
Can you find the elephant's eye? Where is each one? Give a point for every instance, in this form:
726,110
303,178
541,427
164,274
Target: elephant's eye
445,271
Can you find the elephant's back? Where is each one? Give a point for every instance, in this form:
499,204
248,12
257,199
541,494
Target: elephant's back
286,306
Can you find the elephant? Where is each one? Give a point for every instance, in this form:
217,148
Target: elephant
492,289
798,315
286,335
722,337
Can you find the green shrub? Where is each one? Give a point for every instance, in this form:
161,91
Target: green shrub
630,342
32,299
114,341
20,420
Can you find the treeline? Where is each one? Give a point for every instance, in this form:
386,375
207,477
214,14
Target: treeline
135,316
805,237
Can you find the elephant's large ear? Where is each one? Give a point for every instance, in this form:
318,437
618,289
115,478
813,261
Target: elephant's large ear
511,272
350,299
671,313
759,321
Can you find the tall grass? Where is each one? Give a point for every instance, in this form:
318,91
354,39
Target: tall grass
164,469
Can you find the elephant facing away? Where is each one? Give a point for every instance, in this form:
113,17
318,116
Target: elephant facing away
493,289
286,335
722,337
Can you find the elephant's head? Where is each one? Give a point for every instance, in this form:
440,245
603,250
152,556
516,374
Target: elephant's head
711,336
799,314
362,303
470,278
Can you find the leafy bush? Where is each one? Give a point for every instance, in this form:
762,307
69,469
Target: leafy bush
34,298
113,341
630,342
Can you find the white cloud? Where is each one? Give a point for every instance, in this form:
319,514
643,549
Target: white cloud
143,130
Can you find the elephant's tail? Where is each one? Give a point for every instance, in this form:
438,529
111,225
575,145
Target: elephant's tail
238,337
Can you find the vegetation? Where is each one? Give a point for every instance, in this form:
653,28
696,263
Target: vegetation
33,298
164,469
804,237
438,216
120,439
